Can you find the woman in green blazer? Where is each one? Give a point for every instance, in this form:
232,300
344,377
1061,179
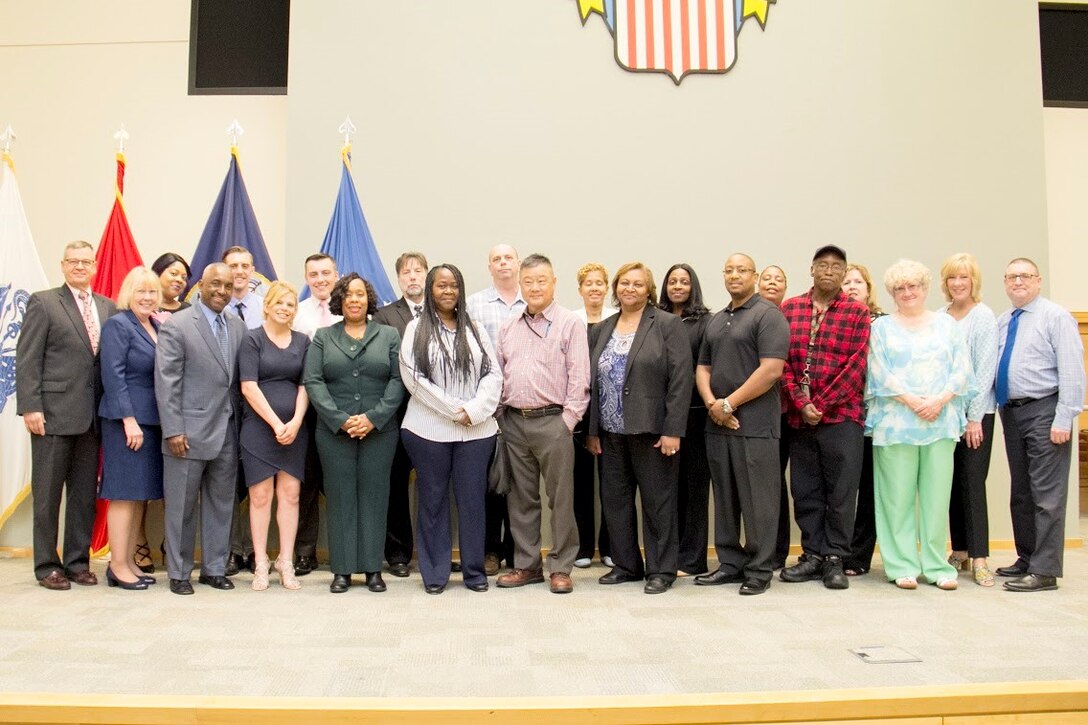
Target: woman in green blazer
352,376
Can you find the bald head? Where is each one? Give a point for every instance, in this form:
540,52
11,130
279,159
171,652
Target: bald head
740,277
215,286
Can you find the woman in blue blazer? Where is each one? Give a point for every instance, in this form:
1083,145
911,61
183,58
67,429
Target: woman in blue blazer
131,437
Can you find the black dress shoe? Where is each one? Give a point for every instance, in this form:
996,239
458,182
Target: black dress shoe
235,562
455,566
374,581
1013,571
399,569
251,563
216,582
1032,583
340,583
717,577
657,584
181,586
755,586
618,577
478,586
305,564
434,588
807,568
834,576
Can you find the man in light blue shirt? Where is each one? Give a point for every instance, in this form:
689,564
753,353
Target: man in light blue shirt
1040,388
244,302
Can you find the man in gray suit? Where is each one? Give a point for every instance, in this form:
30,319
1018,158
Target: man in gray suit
57,388
197,389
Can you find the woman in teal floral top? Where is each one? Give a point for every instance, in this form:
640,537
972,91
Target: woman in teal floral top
919,375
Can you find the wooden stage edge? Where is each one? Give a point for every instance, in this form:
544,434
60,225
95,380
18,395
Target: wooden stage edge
972,704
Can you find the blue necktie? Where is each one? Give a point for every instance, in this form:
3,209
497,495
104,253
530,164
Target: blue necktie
1002,384
221,338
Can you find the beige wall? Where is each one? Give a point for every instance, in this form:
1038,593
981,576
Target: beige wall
889,128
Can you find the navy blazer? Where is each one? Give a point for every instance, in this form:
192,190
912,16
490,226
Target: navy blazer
128,370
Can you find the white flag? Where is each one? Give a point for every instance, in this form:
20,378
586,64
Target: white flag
20,274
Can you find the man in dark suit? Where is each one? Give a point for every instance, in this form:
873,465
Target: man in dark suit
57,392
197,389
411,270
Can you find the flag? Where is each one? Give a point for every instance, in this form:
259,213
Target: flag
20,274
348,240
232,223
116,257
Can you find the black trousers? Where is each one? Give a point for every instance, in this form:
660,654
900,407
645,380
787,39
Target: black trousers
863,543
745,476
497,537
1040,485
782,543
313,485
62,463
587,470
632,463
968,517
824,479
398,518
693,494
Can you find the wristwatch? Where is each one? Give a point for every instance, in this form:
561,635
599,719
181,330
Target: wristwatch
726,407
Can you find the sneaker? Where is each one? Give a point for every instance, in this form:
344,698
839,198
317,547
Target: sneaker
834,576
583,562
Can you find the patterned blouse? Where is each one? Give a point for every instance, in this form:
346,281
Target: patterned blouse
929,360
979,328
612,372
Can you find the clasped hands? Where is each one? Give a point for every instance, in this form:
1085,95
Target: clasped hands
357,426
719,416
926,407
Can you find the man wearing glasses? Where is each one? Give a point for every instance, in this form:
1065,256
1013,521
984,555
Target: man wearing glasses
741,359
1040,388
58,387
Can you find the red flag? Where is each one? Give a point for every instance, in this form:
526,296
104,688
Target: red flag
117,256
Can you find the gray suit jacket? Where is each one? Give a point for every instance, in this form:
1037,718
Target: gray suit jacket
56,373
198,395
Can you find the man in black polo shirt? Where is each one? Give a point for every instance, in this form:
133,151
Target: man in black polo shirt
740,362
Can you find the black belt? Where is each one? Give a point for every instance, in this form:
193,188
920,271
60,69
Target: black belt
536,412
1021,402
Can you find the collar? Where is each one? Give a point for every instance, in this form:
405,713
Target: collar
548,313
749,303
77,292
209,314
492,294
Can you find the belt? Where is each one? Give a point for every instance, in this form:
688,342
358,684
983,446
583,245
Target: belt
1021,402
536,412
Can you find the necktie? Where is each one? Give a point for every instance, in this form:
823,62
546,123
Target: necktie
1002,385
240,309
324,314
88,319
221,338
417,310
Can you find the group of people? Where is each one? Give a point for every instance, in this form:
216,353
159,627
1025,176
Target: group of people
886,422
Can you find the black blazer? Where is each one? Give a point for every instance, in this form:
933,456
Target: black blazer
396,314
657,384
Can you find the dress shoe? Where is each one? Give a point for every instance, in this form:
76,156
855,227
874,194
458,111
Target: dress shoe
83,578
374,581
1012,571
657,584
54,580
478,586
305,564
235,562
717,577
251,563
149,579
807,568
399,569
560,583
520,577
834,576
113,581
455,567
216,582
340,583
491,564
434,588
755,586
1032,583
618,577
181,586
583,562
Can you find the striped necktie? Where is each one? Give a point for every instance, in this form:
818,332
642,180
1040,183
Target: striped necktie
221,338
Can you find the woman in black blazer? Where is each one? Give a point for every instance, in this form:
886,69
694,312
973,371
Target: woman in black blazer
642,376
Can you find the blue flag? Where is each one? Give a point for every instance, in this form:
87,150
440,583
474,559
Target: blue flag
232,223
348,240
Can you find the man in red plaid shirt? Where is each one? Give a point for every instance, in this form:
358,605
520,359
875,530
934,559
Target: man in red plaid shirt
824,381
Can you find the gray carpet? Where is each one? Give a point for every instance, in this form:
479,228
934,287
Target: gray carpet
597,641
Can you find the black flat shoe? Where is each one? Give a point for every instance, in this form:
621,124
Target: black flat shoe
755,586
718,577
618,577
374,581
216,582
656,585
181,586
478,586
399,569
434,588
340,583
113,581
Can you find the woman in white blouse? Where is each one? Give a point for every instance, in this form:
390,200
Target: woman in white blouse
961,283
449,429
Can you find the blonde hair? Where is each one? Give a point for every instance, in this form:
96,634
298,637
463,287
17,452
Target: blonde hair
276,292
586,269
136,277
870,296
651,286
905,271
958,263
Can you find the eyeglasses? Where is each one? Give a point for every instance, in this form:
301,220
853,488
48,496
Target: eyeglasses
1025,277
729,271
912,288
80,262
829,266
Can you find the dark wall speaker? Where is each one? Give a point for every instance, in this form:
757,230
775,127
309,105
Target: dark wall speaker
1063,43
238,47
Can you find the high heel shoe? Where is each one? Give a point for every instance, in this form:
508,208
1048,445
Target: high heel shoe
149,580
983,576
287,574
260,575
113,581
958,562
142,555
